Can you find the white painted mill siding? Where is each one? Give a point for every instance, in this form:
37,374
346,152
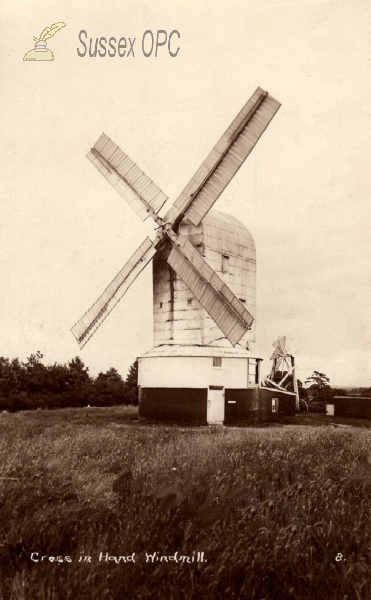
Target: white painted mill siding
195,372
229,249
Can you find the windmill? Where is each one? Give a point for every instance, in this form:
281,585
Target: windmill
193,305
283,366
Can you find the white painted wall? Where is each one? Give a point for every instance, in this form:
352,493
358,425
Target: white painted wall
192,372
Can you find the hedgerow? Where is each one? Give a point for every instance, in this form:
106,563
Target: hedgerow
30,385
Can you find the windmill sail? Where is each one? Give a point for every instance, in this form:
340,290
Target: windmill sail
283,351
279,347
127,178
93,318
225,159
283,346
211,292
195,201
284,363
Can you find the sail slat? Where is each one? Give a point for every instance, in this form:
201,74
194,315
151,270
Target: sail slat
209,290
225,159
139,191
93,318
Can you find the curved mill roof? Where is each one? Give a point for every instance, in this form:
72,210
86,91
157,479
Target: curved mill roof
227,233
222,232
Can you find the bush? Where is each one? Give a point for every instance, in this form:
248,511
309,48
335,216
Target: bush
32,385
317,406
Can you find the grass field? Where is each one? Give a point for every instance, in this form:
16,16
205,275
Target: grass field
270,508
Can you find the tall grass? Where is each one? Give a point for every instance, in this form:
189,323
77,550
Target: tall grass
270,509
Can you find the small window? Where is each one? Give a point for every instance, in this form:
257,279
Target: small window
160,304
225,263
274,404
217,362
189,301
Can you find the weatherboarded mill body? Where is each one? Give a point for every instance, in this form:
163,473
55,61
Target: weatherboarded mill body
194,374
201,368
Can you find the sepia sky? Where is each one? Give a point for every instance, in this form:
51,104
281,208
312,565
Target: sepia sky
304,192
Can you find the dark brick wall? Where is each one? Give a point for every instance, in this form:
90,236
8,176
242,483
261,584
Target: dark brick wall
246,407
255,405
187,405
346,406
286,404
176,405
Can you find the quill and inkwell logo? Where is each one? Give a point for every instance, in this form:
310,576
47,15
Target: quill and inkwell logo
41,52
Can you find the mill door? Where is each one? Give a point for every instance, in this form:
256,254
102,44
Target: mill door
215,405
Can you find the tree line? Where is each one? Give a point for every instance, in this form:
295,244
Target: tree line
316,390
31,385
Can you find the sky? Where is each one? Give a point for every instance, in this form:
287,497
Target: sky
303,192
